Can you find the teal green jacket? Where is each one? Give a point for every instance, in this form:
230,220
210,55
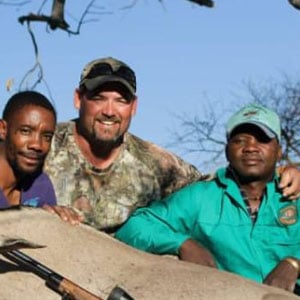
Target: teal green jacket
215,214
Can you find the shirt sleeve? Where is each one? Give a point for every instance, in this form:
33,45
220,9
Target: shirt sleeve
164,226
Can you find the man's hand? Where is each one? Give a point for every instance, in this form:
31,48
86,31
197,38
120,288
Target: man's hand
191,251
284,276
289,181
67,214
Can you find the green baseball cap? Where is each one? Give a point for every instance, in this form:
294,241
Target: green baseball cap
109,69
266,119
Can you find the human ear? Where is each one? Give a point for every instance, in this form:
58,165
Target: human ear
3,129
77,99
279,153
134,108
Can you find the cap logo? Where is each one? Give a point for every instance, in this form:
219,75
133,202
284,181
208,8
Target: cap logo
250,113
288,215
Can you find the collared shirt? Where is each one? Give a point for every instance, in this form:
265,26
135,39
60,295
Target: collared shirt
35,193
215,214
141,173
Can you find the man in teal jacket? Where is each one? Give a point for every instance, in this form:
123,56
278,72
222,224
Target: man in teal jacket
239,221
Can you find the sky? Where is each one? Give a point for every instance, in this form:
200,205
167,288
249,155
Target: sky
185,56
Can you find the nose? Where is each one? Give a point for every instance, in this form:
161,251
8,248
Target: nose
36,143
251,145
108,108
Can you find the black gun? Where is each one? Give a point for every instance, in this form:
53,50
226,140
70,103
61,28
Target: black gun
68,289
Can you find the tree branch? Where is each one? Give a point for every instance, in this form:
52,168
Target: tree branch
37,66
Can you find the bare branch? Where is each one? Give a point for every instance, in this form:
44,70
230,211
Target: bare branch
295,3
86,11
55,20
57,15
37,66
207,3
201,136
41,7
132,4
40,18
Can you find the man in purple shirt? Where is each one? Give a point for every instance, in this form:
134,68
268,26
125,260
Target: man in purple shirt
26,131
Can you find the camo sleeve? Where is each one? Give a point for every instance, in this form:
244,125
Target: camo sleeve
171,171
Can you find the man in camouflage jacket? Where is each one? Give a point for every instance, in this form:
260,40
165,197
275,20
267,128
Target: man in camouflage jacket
96,165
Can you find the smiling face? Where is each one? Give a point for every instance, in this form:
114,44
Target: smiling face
104,116
28,134
251,154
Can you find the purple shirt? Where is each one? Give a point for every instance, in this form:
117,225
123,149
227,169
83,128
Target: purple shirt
35,193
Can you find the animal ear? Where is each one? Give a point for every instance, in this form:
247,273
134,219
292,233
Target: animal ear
3,130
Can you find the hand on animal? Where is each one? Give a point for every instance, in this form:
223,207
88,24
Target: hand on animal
284,276
67,214
191,251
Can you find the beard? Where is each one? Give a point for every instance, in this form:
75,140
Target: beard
23,171
100,143
106,136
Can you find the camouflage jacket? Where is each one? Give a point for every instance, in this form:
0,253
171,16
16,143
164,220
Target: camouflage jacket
142,172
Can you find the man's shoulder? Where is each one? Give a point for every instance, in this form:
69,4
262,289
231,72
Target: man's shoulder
159,159
62,132
148,149
63,148
213,181
63,128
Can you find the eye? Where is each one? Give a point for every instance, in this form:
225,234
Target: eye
237,140
123,100
48,137
263,139
25,130
96,98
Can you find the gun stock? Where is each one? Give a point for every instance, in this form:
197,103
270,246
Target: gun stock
67,287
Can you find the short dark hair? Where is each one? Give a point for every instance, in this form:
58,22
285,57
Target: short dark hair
21,99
